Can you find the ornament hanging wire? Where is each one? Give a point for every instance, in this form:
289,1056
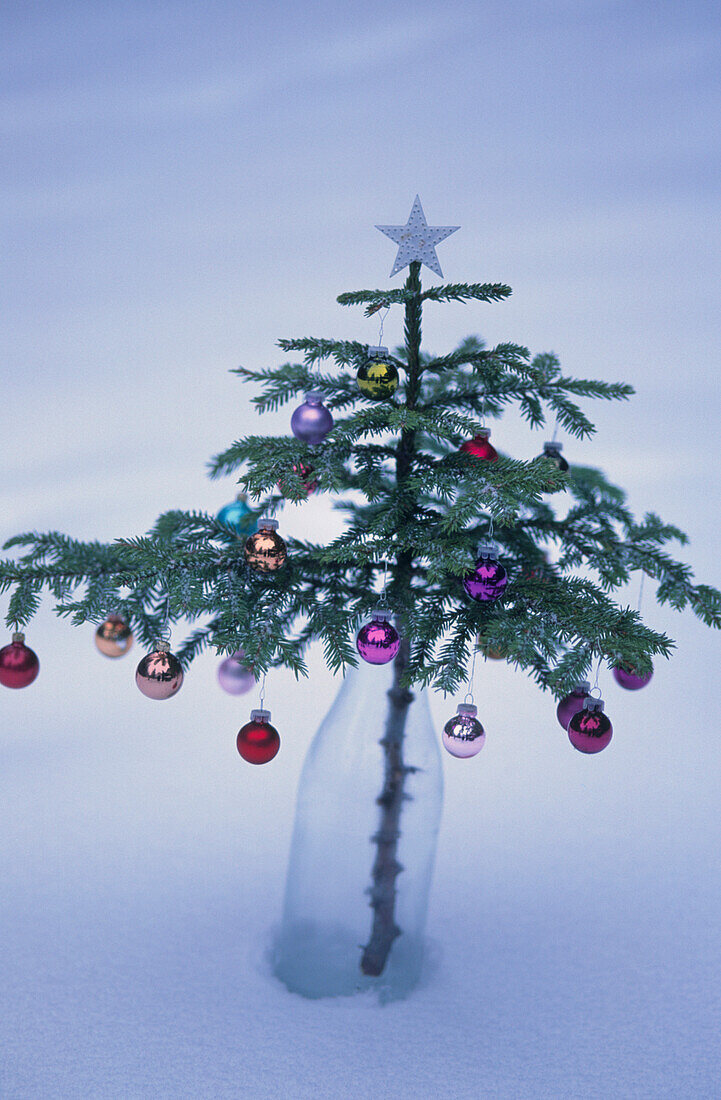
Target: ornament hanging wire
595,682
468,697
640,592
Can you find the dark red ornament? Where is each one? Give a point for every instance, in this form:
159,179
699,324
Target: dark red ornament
258,741
589,730
480,447
19,665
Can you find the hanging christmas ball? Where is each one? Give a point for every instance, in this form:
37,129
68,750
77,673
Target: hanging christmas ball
589,730
378,641
305,473
377,378
114,637
234,676
463,734
627,677
311,421
258,741
480,447
490,650
553,450
238,516
265,551
487,581
572,703
159,675
19,664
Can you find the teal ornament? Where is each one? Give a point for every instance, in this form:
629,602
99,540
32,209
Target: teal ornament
238,517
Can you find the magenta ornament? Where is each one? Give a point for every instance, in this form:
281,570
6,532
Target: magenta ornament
589,730
463,734
234,676
572,703
311,421
627,677
378,641
487,581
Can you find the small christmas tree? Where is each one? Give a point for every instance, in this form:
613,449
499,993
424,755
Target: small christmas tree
423,485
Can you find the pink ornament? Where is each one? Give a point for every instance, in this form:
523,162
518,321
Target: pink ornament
19,665
487,581
572,703
463,735
378,641
589,730
629,679
234,676
480,447
159,675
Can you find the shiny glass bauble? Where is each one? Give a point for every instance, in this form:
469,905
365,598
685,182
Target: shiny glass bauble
377,380
265,551
234,676
159,675
487,581
238,517
572,703
589,731
378,641
463,734
480,447
114,637
19,664
627,677
258,741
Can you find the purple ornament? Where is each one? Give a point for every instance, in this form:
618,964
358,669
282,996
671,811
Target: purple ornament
311,421
463,734
589,730
572,703
378,641
628,678
234,676
488,580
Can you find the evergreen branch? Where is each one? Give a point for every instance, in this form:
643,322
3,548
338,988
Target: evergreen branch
459,292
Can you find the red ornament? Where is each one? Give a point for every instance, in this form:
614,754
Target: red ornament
19,665
258,741
306,474
480,447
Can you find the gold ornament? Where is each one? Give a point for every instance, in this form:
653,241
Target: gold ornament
114,637
488,649
377,379
265,550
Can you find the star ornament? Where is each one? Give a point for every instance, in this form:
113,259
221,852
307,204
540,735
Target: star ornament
417,240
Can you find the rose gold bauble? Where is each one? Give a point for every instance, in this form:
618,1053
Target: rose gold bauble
159,675
265,550
114,637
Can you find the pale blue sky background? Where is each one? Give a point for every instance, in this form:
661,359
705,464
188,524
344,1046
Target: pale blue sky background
180,186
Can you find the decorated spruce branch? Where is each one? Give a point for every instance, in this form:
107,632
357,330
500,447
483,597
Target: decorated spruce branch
418,503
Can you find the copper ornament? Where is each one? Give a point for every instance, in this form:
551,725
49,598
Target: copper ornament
114,637
265,551
159,675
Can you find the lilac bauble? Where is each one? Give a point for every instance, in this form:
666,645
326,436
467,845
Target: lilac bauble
311,421
378,641
487,581
463,734
234,676
589,730
572,703
629,679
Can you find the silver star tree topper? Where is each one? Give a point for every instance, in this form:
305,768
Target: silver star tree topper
417,240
